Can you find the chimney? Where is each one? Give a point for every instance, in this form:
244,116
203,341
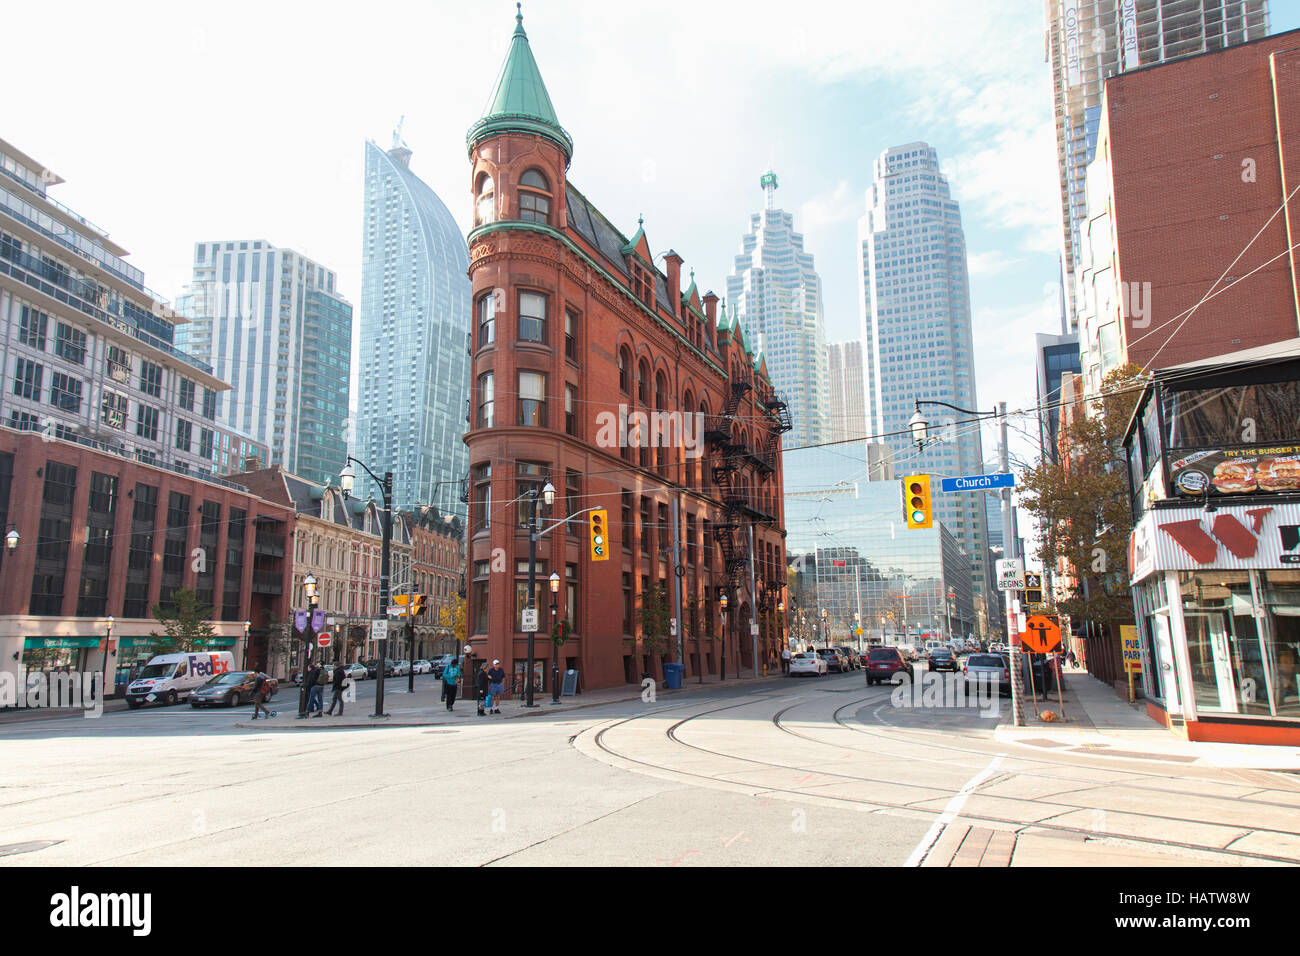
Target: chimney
711,310
252,464
673,263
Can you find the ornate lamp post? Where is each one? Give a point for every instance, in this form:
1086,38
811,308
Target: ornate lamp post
722,604
347,477
555,648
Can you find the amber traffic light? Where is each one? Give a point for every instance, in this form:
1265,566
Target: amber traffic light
916,501
599,536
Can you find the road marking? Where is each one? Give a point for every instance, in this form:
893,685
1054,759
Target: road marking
950,812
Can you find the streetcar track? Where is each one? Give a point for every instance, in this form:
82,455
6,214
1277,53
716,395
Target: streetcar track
877,806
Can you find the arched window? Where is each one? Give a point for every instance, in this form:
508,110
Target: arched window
625,371
484,206
534,197
643,383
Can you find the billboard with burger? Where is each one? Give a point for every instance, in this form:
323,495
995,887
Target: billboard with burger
1236,471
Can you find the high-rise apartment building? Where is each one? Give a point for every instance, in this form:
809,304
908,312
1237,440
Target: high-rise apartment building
848,398
776,293
1055,357
271,323
415,324
916,330
1090,40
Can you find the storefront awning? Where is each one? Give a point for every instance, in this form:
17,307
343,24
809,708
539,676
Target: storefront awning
216,642
58,643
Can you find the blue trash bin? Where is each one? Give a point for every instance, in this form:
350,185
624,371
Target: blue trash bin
673,676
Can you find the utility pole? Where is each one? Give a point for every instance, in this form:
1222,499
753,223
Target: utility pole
1009,551
753,608
677,586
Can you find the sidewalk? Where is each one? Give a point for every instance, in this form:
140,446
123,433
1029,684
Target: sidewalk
425,709
1099,722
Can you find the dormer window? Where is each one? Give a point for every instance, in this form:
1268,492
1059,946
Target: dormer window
534,197
484,205
640,282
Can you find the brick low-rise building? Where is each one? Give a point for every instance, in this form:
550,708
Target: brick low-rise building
594,370
104,538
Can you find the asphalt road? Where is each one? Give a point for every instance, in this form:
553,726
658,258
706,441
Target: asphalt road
802,772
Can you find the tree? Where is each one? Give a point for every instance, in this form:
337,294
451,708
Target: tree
655,620
279,640
186,624
1082,505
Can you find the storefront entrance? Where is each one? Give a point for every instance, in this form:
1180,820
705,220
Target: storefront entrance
1210,663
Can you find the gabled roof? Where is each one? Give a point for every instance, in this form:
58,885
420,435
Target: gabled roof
520,103
637,245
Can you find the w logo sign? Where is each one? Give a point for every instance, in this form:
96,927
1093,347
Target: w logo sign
1241,541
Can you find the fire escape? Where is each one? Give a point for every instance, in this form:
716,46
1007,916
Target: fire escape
729,454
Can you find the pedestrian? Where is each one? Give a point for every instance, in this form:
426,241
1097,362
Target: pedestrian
450,678
785,661
306,681
1069,657
496,686
340,675
481,684
259,696
315,692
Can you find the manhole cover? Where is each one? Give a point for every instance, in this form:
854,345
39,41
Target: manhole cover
13,849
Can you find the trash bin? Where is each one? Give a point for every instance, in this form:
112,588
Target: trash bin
673,676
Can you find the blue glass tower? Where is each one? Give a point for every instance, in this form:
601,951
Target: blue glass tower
415,323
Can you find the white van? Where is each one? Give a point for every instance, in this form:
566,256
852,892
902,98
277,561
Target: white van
170,677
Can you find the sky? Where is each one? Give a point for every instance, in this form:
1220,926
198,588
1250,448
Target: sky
175,123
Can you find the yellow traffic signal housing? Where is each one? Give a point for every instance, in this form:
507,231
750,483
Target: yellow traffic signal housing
417,604
917,510
599,535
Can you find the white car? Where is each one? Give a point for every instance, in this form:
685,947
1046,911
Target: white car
401,668
422,667
356,671
808,663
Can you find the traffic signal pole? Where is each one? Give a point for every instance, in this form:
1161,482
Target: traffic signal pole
1009,551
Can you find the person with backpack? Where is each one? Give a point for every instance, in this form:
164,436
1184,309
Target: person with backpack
481,685
450,678
340,676
259,697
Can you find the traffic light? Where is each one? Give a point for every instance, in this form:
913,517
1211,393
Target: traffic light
916,501
417,604
1033,588
599,535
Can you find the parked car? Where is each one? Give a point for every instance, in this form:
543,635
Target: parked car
168,678
989,667
808,663
440,664
850,655
401,669
357,671
834,659
231,689
372,668
942,659
422,667
886,663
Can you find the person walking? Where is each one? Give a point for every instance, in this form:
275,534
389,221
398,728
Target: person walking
319,677
340,675
306,681
785,661
259,697
481,685
450,679
496,685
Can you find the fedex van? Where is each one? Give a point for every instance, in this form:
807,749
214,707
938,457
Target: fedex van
170,677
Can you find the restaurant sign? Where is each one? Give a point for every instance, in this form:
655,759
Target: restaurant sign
1237,471
1235,537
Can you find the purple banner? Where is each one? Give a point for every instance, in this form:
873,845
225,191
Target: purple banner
318,621
300,620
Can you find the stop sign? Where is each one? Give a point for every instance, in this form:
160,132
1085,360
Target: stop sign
323,639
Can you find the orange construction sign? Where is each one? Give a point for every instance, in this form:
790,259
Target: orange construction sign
1042,635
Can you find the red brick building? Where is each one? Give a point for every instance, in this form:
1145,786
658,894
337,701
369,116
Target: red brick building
103,538
1195,159
595,370
437,572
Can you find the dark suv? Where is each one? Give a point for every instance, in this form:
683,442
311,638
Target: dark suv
834,659
885,663
942,659
850,655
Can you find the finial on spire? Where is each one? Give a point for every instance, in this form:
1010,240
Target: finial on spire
640,219
519,20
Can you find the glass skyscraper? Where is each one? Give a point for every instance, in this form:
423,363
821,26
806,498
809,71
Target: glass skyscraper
415,323
776,293
916,332
271,323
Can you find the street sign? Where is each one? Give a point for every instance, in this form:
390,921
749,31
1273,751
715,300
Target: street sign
323,639
672,627
979,482
857,631
379,629
753,629
1011,574
530,619
1041,635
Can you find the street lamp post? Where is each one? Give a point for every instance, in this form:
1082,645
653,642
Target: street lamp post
555,648
547,494
304,691
347,477
722,603
247,627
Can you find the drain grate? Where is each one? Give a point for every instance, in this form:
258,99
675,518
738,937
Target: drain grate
13,849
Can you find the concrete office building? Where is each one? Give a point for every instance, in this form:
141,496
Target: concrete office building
848,398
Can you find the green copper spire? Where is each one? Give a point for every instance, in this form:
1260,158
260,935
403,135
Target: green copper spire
520,102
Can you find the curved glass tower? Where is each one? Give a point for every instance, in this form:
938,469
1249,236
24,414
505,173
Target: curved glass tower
415,319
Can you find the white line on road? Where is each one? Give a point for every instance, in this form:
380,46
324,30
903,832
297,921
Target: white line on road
950,812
